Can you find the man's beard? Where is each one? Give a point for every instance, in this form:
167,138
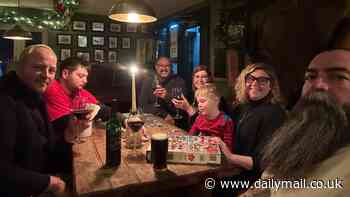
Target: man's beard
316,128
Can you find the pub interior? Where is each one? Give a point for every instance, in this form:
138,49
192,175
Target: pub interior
180,98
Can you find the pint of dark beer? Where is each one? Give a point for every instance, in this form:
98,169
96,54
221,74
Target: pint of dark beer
159,150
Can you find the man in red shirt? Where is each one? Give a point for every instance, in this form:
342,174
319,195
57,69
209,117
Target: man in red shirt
60,94
59,97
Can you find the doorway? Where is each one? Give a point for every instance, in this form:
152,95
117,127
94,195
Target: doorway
192,40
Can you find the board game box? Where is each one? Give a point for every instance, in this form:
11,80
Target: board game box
191,149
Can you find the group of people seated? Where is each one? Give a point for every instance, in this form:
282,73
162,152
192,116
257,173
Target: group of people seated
255,134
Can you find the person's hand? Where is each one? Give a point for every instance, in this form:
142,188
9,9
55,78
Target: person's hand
160,92
224,149
168,119
56,186
181,104
75,127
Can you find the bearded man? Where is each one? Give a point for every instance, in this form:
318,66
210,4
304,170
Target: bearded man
314,144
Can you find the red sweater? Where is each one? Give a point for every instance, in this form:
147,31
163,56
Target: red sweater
222,126
59,102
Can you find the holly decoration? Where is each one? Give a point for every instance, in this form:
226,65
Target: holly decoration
55,19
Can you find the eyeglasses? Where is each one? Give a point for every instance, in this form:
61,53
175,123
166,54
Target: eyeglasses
249,79
163,66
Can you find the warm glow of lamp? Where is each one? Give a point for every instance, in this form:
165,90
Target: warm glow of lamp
132,11
17,33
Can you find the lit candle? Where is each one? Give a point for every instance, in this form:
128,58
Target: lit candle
133,93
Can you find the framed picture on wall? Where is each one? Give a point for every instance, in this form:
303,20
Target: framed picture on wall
64,39
79,25
64,54
126,43
114,27
132,27
82,41
99,55
112,56
84,55
144,28
113,42
97,26
98,40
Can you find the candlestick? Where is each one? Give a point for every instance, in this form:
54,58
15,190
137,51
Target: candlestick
133,106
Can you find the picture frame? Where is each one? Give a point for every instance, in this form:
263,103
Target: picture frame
98,26
98,40
112,56
131,27
82,41
84,55
64,39
64,54
126,43
99,55
115,27
144,28
79,25
113,42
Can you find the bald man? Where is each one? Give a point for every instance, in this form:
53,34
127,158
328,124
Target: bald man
27,142
151,92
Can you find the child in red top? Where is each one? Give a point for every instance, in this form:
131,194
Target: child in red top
211,121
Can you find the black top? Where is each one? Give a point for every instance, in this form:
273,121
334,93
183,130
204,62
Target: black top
27,140
255,126
147,99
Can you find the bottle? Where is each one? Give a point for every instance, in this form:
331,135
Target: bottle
113,138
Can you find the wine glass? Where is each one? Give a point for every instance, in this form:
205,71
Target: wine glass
135,123
79,110
177,94
155,85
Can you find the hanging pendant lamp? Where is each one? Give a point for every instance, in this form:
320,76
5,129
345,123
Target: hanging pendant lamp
132,11
17,33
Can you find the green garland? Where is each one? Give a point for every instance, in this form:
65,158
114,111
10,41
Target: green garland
39,18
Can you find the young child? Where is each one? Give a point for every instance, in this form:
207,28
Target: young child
211,121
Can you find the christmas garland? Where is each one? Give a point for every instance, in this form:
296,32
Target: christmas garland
38,18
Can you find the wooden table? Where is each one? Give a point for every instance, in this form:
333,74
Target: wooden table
134,178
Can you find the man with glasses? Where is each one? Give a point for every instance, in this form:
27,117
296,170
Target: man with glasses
158,88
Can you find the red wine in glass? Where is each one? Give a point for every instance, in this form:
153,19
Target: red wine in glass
135,124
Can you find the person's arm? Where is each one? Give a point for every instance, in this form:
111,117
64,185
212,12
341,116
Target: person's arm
228,134
13,176
242,161
194,128
273,118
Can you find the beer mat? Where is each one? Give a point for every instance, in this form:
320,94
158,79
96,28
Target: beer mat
191,150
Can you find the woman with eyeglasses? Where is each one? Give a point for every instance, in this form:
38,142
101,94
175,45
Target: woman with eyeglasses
200,77
261,112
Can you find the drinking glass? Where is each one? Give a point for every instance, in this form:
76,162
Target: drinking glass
155,85
135,123
177,94
79,110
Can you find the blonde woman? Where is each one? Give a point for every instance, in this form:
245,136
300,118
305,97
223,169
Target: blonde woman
259,99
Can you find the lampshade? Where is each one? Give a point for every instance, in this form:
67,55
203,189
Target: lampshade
17,33
132,11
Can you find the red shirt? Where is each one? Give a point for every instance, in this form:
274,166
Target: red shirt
221,126
59,102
